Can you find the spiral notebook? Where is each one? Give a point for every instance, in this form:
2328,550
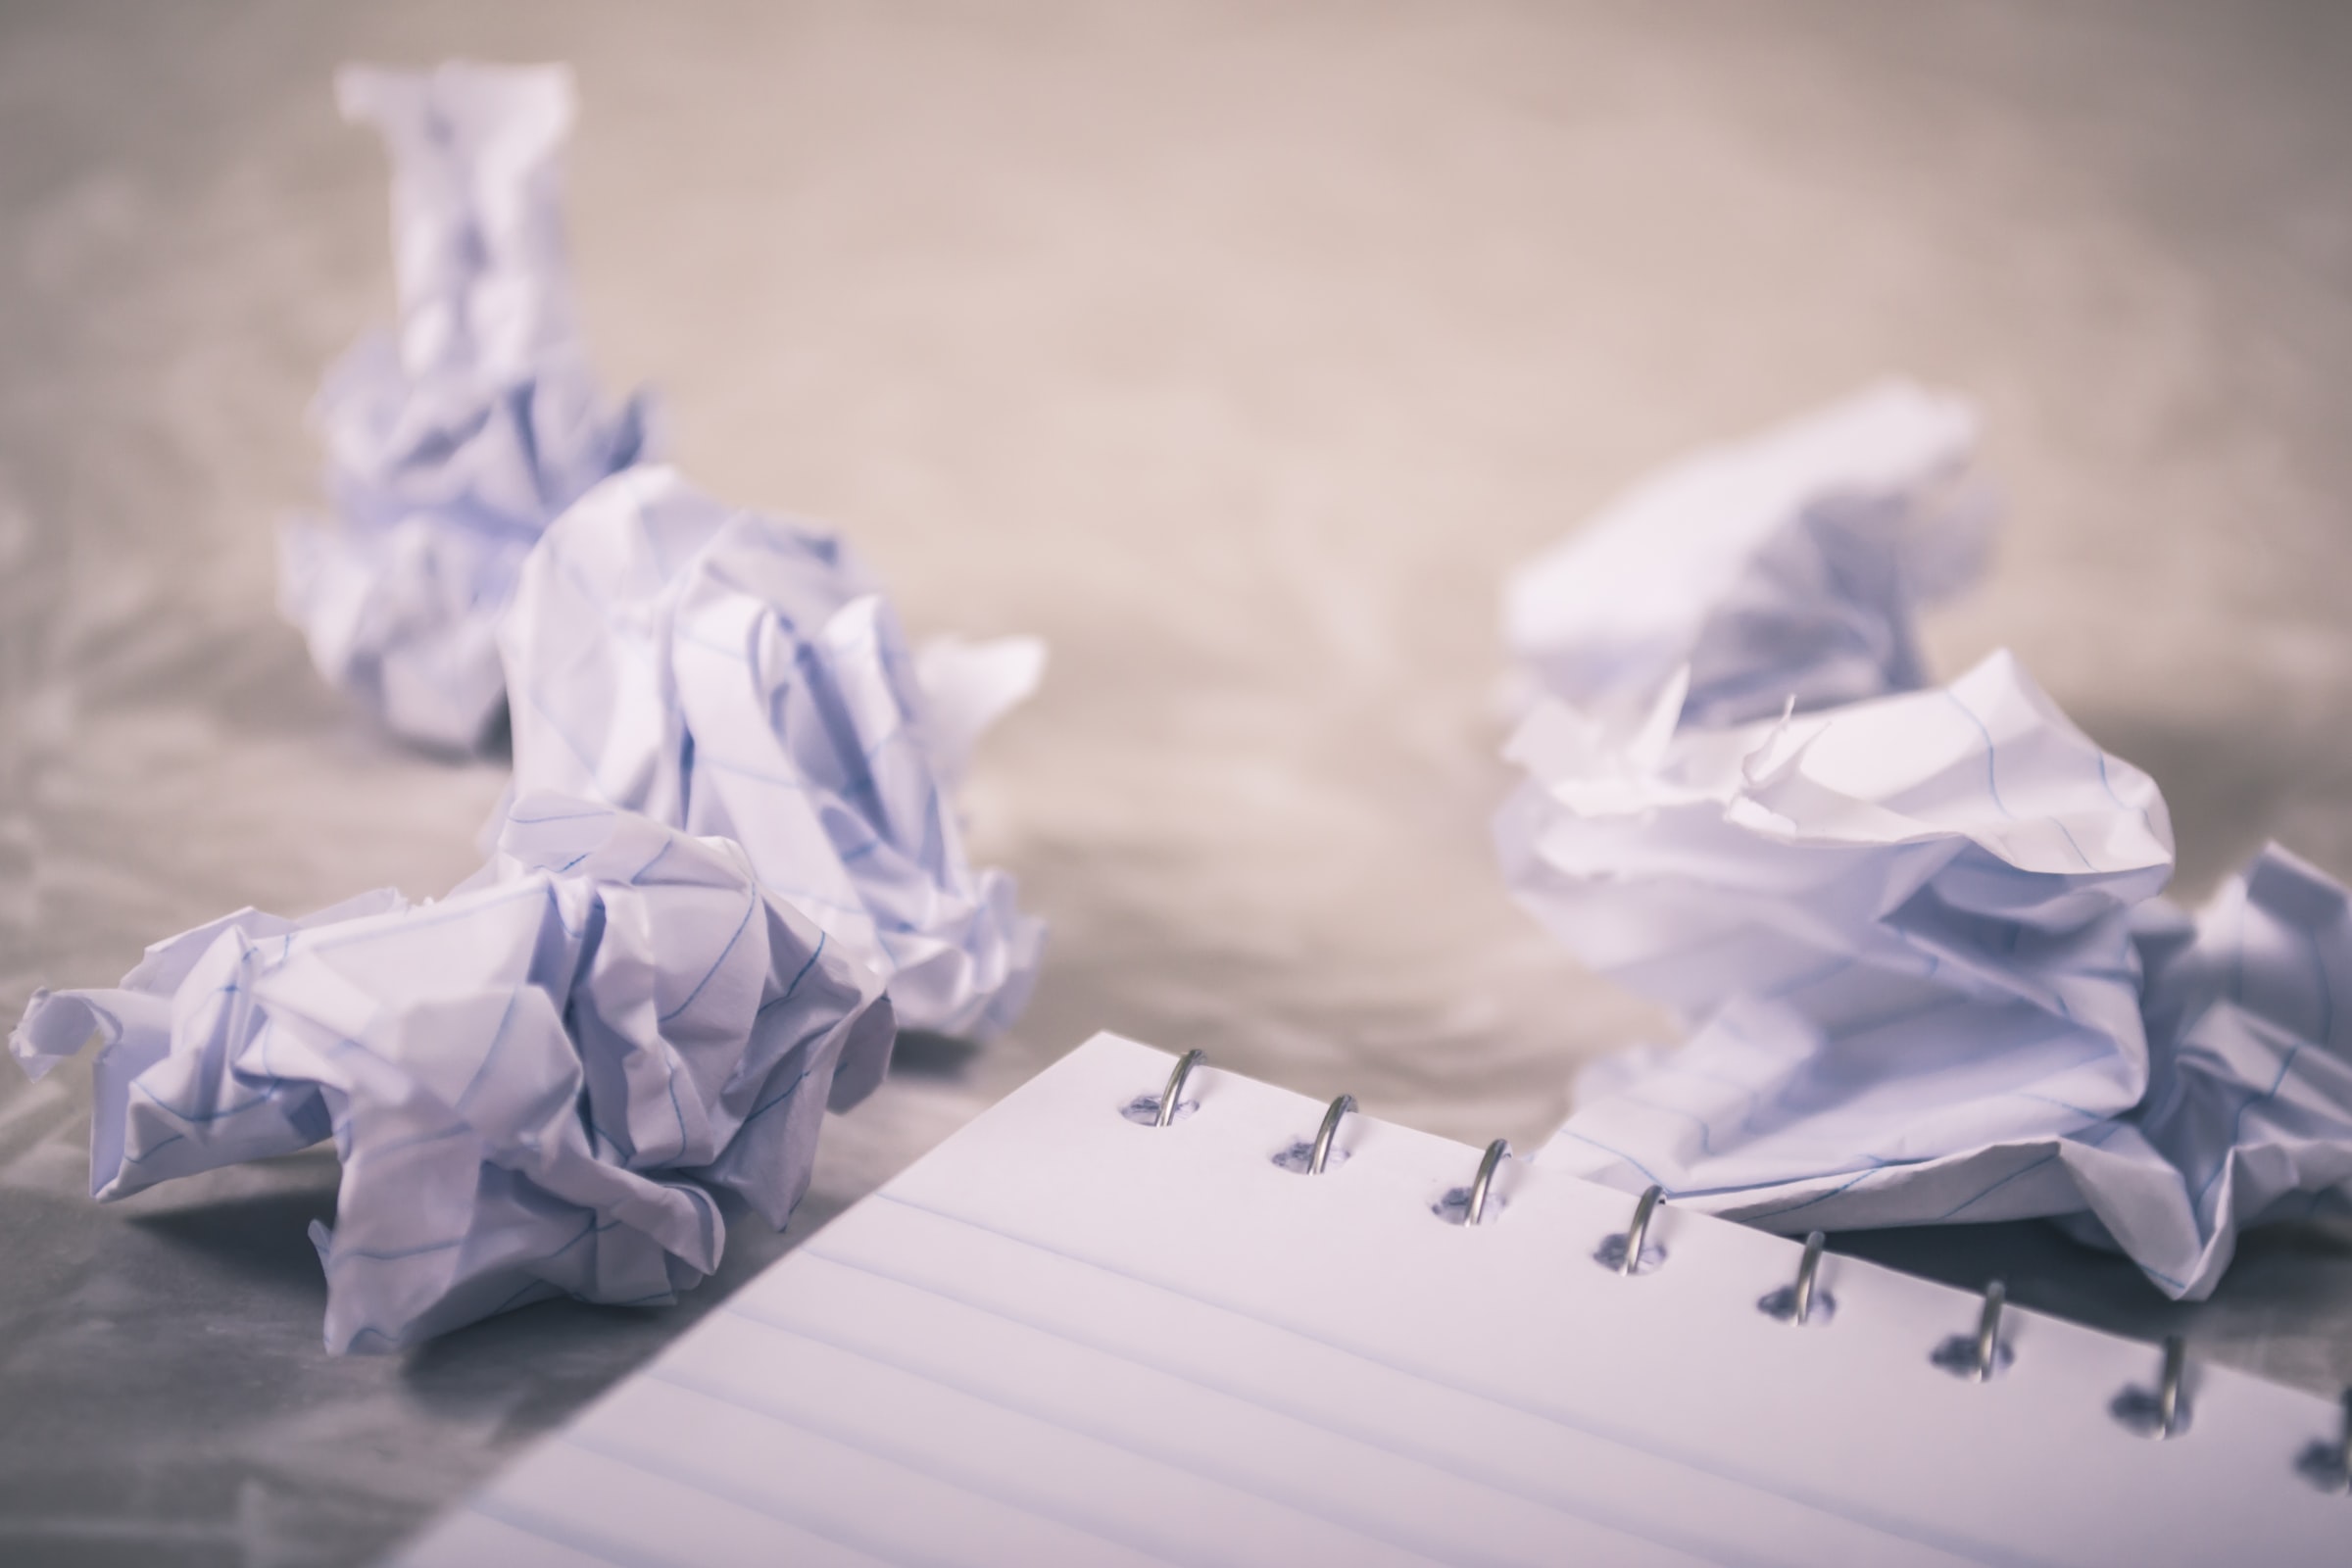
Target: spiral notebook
1081,1330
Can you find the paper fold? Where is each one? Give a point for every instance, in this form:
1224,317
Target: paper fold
538,1086
1915,931
451,445
738,675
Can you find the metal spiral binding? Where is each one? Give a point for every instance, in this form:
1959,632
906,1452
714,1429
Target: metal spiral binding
1978,1356
1324,1134
1175,1089
1797,1303
1637,1231
1497,1153
2162,1413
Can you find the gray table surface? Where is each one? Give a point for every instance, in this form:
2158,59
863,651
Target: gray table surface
1237,349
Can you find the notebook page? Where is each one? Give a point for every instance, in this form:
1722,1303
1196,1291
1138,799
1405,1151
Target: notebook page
1068,1337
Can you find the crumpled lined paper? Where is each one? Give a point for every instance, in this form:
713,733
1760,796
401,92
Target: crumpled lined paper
1919,941
2248,1115
449,450
539,1086
729,826
1790,565
737,675
1939,874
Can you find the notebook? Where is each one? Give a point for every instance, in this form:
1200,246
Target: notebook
1081,1330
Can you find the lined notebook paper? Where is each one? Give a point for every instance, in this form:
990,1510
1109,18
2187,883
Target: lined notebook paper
1072,1336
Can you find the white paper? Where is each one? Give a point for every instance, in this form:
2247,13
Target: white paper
539,1086
2249,1107
1069,1336
449,450
728,825
1790,565
738,675
967,685
1916,937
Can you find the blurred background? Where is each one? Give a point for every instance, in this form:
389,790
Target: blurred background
1238,350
